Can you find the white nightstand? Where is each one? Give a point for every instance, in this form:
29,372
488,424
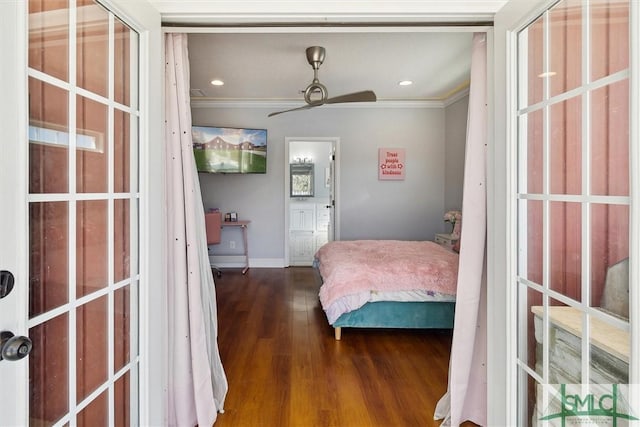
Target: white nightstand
446,240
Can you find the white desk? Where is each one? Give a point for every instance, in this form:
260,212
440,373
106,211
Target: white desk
243,225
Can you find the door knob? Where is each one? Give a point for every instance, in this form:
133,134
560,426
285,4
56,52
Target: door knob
14,347
6,283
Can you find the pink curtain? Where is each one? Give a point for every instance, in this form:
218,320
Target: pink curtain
197,385
466,397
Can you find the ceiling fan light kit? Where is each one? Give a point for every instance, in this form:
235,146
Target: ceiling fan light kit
315,57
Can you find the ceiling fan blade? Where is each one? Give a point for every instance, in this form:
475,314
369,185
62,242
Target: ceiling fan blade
304,107
364,96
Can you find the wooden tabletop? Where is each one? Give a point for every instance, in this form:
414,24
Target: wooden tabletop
239,223
604,336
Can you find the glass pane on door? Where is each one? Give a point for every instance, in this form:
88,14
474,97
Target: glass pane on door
565,146
610,259
610,139
83,216
48,138
49,371
609,29
92,47
92,150
48,256
565,35
91,347
530,345
48,35
565,249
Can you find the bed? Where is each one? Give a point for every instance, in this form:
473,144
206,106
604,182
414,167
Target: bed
387,284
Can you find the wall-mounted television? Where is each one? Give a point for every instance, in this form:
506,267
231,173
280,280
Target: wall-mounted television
229,150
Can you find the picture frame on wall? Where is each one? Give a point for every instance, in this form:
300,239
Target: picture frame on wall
391,164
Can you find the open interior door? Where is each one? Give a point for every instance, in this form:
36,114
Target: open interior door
332,194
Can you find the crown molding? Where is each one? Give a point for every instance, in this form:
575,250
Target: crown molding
456,97
261,104
200,102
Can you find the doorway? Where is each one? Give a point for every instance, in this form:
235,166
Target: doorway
310,197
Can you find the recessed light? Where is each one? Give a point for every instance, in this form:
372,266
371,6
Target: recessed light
217,82
405,83
547,74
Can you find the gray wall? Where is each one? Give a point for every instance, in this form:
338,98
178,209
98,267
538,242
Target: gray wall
369,208
455,141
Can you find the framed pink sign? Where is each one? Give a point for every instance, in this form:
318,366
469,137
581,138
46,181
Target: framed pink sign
391,163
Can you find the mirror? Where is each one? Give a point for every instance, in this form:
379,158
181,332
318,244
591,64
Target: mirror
302,178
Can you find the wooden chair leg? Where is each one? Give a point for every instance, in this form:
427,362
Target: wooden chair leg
338,333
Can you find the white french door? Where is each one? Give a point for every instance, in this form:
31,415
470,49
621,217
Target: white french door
570,194
73,240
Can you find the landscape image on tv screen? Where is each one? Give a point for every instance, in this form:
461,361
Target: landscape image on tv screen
229,150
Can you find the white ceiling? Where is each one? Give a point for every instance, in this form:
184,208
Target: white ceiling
273,66
264,59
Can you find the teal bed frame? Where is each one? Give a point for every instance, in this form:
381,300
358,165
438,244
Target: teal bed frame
395,314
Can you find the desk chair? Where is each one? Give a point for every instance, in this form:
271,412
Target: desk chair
213,224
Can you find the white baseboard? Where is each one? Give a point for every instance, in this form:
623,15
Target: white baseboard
266,262
237,261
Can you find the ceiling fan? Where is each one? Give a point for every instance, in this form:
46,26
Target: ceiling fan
315,57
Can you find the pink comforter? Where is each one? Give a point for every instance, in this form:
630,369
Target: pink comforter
349,267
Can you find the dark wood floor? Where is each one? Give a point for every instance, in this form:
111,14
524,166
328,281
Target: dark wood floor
285,368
